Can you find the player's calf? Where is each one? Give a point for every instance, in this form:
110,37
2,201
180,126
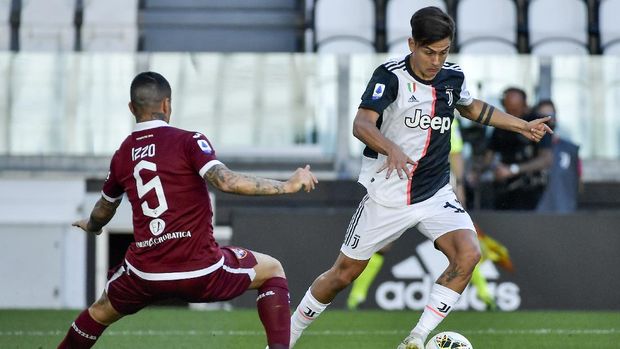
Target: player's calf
272,301
273,304
83,333
90,324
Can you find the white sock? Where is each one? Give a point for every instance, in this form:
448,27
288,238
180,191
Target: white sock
440,303
307,311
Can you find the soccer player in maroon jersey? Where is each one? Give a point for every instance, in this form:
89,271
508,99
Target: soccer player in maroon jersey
162,170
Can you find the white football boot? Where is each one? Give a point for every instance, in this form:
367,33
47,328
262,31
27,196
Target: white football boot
411,342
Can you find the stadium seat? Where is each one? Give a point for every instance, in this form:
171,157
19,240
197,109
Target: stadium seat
110,25
5,26
47,25
609,26
397,17
552,33
220,26
488,27
489,47
353,35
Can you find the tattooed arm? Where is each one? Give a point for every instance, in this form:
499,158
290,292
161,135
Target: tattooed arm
229,181
486,114
102,213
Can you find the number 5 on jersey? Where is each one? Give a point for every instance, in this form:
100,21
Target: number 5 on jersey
153,184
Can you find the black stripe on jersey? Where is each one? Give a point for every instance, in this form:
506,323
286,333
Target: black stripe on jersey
369,152
394,66
452,66
354,220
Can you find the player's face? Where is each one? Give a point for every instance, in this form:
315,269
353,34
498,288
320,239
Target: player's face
427,60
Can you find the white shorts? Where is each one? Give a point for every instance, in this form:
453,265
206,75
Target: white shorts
373,225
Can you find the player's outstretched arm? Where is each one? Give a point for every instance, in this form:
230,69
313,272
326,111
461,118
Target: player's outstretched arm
101,214
230,181
486,114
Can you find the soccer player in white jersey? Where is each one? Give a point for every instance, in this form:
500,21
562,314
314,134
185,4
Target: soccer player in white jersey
404,119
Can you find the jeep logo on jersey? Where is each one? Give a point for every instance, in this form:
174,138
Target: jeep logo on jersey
424,121
416,275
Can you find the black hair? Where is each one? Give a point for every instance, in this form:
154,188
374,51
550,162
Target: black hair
431,24
544,102
514,90
148,90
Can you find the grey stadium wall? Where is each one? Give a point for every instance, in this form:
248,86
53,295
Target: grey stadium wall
561,261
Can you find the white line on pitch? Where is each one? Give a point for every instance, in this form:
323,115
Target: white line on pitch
489,331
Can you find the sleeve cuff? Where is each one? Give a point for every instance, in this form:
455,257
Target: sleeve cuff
208,166
465,102
111,199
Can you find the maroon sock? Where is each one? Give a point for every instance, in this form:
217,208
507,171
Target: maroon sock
274,310
83,333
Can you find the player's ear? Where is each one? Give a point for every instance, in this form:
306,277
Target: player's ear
167,106
131,108
411,43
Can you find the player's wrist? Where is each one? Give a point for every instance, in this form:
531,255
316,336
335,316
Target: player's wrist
288,187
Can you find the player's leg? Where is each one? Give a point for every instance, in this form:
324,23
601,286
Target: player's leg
461,248
372,227
273,300
361,285
90,324
323,290
446,223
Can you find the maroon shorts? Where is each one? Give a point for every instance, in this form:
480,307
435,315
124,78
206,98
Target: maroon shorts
129,293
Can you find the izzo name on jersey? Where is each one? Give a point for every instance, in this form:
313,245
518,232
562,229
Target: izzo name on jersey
424,121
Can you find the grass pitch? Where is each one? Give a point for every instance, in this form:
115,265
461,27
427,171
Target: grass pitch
335,329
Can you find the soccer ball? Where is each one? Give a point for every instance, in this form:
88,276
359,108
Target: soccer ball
448,340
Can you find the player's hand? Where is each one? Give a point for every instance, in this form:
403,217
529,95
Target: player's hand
302,178
83,224
536,129
399,161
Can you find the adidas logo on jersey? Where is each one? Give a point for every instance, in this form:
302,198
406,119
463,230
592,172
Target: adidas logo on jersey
424,121
412,99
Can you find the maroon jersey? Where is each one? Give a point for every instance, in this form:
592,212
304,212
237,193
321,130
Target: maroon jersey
160,169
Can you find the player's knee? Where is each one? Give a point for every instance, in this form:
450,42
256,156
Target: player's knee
275,268
102,314
102,311
469,258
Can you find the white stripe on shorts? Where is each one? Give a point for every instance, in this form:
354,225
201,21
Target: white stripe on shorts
177,275
250,271
116,275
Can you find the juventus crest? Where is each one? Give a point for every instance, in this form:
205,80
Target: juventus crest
450,97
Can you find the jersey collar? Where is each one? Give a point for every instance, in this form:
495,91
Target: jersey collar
146,125
414,75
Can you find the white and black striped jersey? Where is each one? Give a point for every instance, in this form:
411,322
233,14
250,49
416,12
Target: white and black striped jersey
416,115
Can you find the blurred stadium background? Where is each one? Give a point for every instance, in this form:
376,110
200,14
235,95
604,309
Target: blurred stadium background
275,84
